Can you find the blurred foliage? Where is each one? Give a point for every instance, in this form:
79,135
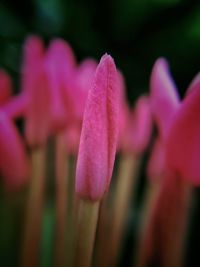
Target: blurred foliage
135,33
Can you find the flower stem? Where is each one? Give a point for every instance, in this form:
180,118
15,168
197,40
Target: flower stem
34,210
86,229
61,200
164,239
128,171
108,254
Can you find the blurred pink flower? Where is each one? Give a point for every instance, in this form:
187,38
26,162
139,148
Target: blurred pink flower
34,85
139,127
183,142
163,96
60,66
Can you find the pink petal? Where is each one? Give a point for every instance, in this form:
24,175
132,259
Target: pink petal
36,90
83,82
141,125
164,96
33,52
5,87
99,133
183,142
72,135
195,83
13,159
60,66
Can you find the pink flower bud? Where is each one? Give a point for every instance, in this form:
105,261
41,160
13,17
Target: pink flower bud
99,133
164,96
34,84
183,142
13,159
83,82
5,87
60,67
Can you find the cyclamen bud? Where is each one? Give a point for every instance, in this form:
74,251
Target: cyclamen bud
99,133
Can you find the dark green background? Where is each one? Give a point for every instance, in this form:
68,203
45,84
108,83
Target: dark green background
135,33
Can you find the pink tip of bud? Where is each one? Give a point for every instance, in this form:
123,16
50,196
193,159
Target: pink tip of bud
164,96
14,165
183,143
99,133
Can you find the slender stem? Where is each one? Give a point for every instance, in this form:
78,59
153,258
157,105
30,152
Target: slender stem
151,195
164,239
34,210
72,210
86,230
108,253
61,200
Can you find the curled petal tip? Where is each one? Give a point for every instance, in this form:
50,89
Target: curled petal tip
195,84
164,96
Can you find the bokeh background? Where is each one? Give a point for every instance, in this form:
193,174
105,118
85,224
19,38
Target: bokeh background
134,32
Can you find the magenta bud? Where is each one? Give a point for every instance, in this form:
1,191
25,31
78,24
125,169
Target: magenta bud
99,133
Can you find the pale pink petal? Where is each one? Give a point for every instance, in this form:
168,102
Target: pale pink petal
164,96
34,84
99,133
60,67
124,113
183,142
14,165
83,82
141,125
195,83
